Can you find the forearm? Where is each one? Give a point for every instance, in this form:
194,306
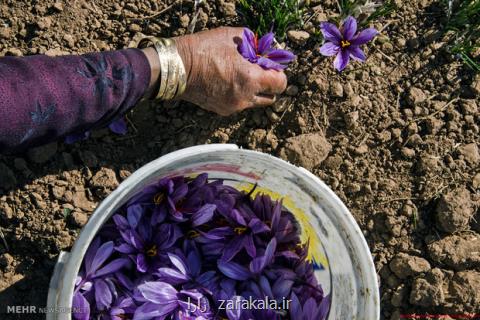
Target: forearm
44,98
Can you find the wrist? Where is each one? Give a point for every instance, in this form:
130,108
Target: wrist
154,63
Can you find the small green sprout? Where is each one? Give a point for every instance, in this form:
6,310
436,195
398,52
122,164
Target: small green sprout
263,15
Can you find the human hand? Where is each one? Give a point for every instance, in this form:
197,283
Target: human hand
220,79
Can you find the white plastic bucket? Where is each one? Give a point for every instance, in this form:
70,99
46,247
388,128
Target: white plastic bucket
349,274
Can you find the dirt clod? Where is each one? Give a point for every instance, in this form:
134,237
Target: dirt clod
416,96
77,219
454,210
351,120
470,153
465,286
457,251
307,150
336,89
105,177
80,201
428,291
404,265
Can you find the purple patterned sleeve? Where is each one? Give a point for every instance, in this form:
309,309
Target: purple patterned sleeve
44,98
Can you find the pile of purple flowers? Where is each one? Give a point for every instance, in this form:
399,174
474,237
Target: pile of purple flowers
198,249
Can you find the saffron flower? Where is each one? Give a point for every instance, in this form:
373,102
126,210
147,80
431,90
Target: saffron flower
162,299
92,280
345,43
262,51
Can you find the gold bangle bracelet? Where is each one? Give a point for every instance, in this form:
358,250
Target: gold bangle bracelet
172,82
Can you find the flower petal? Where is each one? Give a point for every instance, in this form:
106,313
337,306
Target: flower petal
364,37
259,263
324,308
249,245
265,43
217,233
154,311
329,49
168,234
247,47
119,126
102,254
270,64
134,213
90,254
266,288
142,265
158,292
112,267
120,221
357,53
180,192
237,217
194,263
235,313
349,28
103,296
81,307
330,32
203,215
232,248
258,226
282,287
171,276
233,270
342,60
281,56
178,262
124,280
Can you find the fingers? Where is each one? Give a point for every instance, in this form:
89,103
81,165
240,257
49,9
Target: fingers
272,82
263,100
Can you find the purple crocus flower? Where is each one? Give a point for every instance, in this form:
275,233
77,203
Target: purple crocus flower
186,271
345,43
146,243
93,282
119,126
262,51
239,272
122,308
161,299
244,226
310,310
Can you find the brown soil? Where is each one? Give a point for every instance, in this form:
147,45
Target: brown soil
401,147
